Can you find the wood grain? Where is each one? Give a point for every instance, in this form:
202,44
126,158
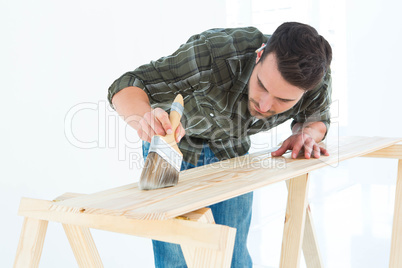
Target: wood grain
294,222
396,242
203,186
310,248
197,257
192,233
83,246
393,151
214,251
31,243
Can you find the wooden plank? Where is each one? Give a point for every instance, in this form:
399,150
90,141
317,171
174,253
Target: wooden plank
203,215
197,257
66,196
83,246
396,242
207,185
310,247
191,232
31,243
294,222
393,151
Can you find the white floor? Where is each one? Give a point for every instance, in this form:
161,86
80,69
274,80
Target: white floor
352,207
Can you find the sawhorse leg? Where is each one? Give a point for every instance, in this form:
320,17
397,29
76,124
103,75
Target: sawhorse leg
396,242
202,257
311,252
299,231
83,246
81,241
33,235
31,243
395,152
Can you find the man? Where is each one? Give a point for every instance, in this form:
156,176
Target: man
235,83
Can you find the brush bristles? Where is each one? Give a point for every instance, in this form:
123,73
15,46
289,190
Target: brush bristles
157,173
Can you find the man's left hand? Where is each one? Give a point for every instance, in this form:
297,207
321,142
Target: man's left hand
301,142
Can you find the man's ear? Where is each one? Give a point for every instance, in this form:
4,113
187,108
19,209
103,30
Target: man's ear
259,53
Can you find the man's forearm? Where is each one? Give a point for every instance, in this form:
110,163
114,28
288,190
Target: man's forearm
131,103
316,130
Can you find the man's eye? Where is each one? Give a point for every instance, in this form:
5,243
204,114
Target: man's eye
261,86
282,100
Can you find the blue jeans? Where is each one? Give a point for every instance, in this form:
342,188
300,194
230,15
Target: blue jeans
235,212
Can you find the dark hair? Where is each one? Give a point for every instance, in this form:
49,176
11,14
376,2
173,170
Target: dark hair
303,56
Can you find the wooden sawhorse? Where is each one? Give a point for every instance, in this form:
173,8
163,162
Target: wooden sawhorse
178,214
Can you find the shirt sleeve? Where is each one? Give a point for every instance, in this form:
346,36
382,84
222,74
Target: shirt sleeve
181,72
315,105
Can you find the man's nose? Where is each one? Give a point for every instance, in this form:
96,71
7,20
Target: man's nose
266,103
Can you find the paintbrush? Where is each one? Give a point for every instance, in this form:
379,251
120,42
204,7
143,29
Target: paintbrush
163,163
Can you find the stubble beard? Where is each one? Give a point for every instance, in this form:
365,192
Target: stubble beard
251,102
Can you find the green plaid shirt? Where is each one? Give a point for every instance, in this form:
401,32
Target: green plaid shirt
212,71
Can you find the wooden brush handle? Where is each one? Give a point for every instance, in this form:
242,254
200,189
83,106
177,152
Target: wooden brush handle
175,116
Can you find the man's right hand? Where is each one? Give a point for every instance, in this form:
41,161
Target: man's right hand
133,104
156,122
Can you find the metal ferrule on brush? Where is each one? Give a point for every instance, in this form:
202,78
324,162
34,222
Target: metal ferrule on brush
164,150
177,107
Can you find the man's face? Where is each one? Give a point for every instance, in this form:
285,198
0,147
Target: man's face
268,92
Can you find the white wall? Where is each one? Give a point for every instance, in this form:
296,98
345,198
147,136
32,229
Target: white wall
57,55
374,67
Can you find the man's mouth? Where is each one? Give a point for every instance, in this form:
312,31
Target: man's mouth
258,110
255,106
254,110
